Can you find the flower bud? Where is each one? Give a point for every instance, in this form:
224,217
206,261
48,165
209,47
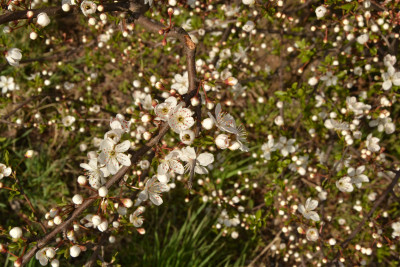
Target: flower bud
103,191
16,232
29,14
146,118
222,141
127,202
207,123
57,220
146,136
66,7
231,81
82,180
111,239
33,35
74,251
194,101
77,199
43,20
50,252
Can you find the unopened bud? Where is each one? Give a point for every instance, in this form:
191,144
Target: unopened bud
29,14
231,81
66,7
146,118
103,191
146,136
170,11
195,101
82,180
127,202
159,85
74,251
77,199
210,105
100,8
57,220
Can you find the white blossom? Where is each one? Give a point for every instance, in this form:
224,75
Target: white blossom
152,190
357,176
320,12
390,78
329,79
7,84
135,217
286,146
4,171
308,209
164,110
312,234
197,162
344,184
180,119
396,229
171,163
112,155
372,143
268,147
181,83
14,56
88,7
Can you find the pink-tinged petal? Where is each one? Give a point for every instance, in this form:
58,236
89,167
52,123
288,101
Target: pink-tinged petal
301,209
107,145
200,170
205,159
177,167
7,172
351,171
105,171
172,101
143,196
156,199
86,167
162,168
360,169
314,216
124,146
307,205
103,158
124,159
313,204
113,165
387,85
163,178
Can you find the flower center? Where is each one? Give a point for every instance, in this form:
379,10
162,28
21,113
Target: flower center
181,119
